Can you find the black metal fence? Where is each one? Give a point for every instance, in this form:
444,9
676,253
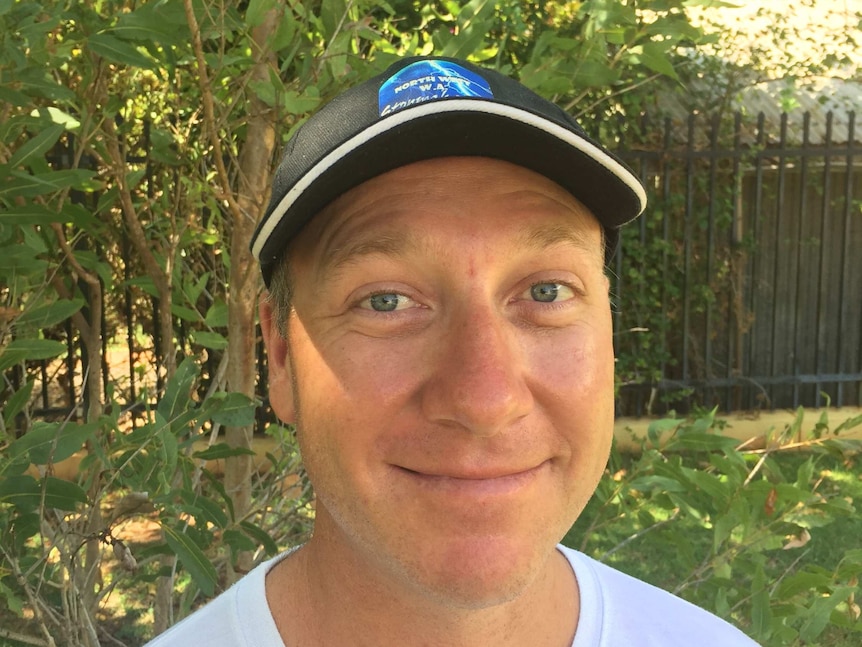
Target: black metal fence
739,288
754,238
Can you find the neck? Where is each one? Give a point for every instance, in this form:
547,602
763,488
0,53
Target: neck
330,594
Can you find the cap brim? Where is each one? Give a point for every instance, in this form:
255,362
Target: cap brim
456,128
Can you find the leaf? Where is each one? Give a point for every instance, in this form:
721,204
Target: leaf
222,450
188,314
703,442
62,118
38,83
51,442
145,283
30,214
804,474
22,260
19,350
709,4
13,602
24,526
820,612
206,508
848,424
218,486
177,393
718,493
21,491
238,541
36,146
25,493
78,215
120,51
796,583
853,557
702,425
261,536
657,428
285,32
14,98
154,22
331,14
193,560
654,56
209,339
216,316
16,402
268,92
31,185
594,74
257,10
657,483
231,409
474,21
169,448
761,614
213,511
739,514
294,103
63,494
50,314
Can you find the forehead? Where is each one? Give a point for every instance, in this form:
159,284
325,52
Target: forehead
471,197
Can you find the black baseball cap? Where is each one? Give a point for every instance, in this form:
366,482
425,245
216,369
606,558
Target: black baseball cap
426,107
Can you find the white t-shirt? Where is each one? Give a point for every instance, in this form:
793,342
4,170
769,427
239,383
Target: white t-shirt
616,610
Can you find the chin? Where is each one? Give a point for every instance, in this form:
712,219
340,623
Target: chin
479,573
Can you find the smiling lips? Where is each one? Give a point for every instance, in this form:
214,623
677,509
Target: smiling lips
491,482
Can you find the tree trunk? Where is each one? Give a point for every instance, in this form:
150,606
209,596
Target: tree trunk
85,577
255,162
92,560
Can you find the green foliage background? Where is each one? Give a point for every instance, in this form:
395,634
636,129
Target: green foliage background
117,187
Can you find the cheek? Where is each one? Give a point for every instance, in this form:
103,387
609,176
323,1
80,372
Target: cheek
349,393
577,387
579,361
367,374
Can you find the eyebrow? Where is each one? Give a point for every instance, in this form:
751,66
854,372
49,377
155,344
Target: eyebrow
402,243
387,243
543,236
395,242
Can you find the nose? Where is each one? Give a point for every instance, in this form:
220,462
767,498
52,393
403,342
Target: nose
478,379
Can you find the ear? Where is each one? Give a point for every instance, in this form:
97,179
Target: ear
280,385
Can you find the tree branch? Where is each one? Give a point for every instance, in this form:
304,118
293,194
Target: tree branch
77,318
130,216
160,276
209,111
22,638
598,102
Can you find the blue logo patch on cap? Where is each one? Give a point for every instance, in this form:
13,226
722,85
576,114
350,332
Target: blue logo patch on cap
430,81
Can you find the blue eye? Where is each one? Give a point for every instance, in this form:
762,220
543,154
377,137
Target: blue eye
384,302
550,292
387,302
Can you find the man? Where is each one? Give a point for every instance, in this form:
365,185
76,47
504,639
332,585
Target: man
438,328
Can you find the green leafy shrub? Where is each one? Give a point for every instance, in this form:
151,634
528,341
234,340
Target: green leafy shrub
64,551
765,538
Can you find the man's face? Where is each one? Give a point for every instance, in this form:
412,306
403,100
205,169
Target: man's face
449,365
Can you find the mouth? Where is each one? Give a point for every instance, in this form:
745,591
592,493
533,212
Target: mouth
484,483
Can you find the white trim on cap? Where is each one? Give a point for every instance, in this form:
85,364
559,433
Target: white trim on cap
437,107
